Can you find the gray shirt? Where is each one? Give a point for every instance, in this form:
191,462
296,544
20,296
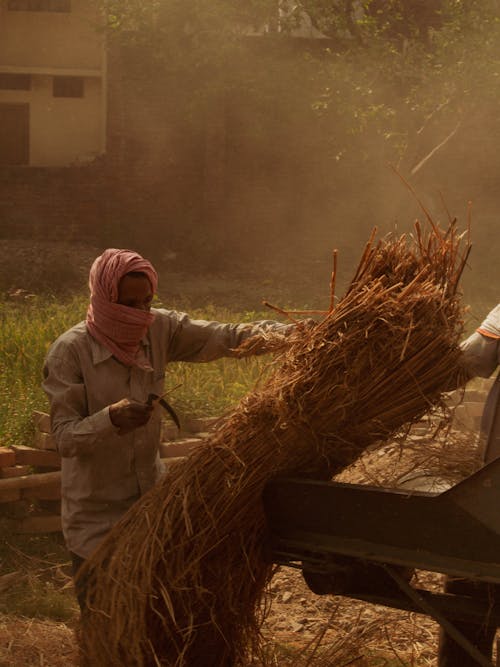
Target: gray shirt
104,473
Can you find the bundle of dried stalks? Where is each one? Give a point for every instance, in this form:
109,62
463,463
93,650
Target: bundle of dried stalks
181,579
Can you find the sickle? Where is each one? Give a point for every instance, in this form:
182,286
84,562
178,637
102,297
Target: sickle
152,398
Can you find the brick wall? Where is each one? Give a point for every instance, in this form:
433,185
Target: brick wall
51,204
149,173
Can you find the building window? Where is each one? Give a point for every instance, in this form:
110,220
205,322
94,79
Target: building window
15,81
39,5
67,86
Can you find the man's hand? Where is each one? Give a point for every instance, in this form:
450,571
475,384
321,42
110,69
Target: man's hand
128,415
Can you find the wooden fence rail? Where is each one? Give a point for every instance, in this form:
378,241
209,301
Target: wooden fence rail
30,476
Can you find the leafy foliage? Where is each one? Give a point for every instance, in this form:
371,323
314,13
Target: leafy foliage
288,106
388,67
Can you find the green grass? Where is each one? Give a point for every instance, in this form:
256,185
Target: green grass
41,587
34,597
27,329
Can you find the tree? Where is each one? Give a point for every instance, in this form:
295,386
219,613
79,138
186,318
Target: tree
399,81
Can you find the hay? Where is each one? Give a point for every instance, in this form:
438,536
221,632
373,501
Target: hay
36,643
181,579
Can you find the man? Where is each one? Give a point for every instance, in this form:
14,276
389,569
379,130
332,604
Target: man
482,357
98,376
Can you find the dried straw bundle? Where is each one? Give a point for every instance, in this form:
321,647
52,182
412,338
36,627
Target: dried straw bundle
181,578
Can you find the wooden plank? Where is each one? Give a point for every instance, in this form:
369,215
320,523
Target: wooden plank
191,426
179,447
7,457
41,420
45,492
169,431
10,495
38,470
49,506
199,424
48,523
44,441
14,471
30,481
36,457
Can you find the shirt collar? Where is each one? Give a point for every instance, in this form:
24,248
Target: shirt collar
100,353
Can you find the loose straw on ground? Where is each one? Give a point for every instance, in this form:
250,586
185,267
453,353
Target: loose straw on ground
181,579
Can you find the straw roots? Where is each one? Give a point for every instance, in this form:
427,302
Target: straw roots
181,580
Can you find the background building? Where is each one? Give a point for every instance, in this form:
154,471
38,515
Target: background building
52,83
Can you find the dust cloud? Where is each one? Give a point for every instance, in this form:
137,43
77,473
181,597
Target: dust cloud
249,170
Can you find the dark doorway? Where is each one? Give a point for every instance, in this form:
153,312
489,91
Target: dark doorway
14,134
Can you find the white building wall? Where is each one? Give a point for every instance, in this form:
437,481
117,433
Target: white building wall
62,130
52,39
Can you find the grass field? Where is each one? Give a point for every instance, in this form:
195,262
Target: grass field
28,327
41,588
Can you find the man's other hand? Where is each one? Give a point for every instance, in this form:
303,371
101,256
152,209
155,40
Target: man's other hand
127,415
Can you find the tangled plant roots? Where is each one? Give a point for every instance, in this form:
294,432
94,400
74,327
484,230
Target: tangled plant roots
181,579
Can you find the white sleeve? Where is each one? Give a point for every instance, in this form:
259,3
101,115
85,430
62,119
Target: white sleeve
481,354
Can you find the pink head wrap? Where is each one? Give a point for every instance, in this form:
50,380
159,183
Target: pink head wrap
119,328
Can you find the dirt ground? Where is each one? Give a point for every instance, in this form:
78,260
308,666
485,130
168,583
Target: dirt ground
288,278
351,632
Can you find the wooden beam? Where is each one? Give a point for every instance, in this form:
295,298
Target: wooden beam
10,495
14,471
36,457
41,421
45,492
49,523
30,481
7,457
44,441
179,447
